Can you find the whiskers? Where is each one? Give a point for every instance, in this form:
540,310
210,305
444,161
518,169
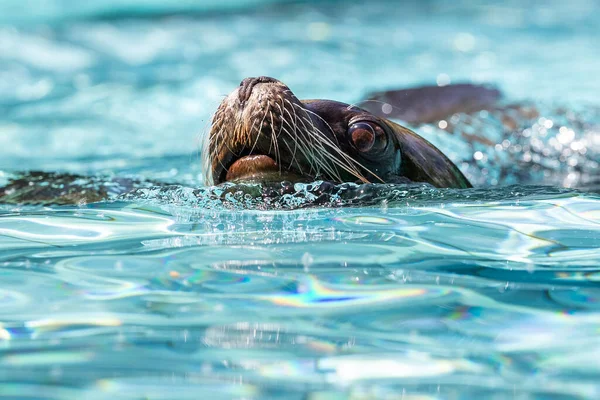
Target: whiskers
209,149
332,156
294,137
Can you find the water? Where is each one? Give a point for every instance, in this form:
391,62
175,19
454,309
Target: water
181,292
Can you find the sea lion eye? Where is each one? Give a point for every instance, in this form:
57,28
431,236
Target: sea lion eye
367,136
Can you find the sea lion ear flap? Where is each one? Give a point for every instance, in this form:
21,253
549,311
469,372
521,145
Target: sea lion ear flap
423,162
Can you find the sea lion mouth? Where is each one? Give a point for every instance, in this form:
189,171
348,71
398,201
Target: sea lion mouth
252,167
259,168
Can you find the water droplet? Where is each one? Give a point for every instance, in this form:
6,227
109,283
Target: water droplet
443,79
464,42
307,261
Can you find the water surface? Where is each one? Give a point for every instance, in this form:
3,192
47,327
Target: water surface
178,293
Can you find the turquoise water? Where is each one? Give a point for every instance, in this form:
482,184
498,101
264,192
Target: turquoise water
178,294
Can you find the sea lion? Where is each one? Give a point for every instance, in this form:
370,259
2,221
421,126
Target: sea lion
262,131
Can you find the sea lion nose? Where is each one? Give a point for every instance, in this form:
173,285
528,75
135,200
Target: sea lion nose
248,84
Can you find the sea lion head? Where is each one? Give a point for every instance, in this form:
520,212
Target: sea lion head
262,132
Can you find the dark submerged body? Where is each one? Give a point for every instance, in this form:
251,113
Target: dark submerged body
429,104
38,187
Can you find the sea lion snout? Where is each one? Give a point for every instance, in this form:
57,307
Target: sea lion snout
246,86
261,117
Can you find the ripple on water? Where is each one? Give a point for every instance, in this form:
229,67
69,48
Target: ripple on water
303,300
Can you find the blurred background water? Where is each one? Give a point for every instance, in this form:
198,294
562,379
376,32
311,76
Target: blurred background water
492,293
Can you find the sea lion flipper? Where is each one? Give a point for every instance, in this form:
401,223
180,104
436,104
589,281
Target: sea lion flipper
431,103
423,162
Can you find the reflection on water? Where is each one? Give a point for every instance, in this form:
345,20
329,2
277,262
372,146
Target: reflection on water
187,292
476,296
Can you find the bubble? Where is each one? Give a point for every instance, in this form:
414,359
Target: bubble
443,80
464,42
319,31
307,261
565,135
386,108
